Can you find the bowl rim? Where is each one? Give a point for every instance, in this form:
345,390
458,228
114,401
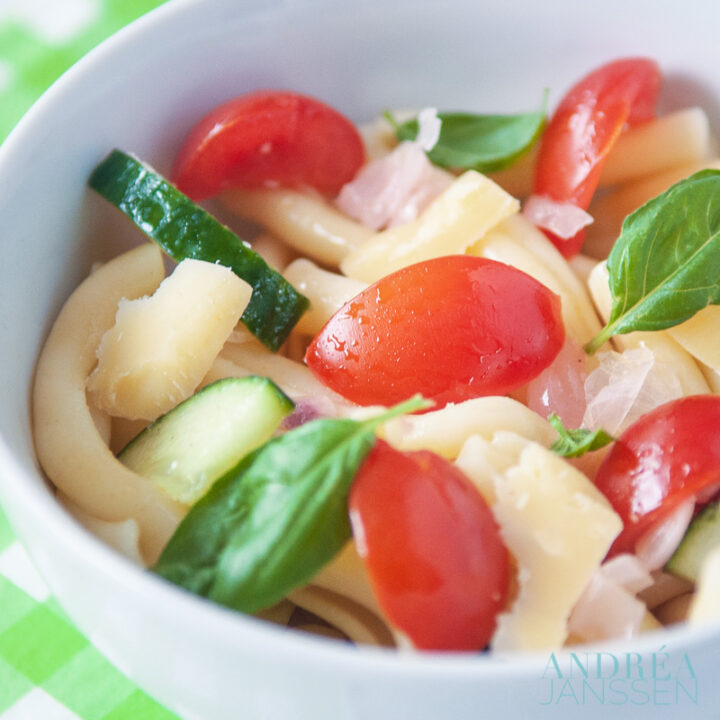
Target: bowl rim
22,488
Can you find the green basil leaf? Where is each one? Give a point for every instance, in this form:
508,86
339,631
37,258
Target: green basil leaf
664,267
574,443
272,522
485,143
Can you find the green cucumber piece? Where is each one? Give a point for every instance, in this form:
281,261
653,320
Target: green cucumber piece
184,230
702,536
194,444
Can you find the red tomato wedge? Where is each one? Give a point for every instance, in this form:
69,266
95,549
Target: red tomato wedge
451,328
436,562
668,456
584,128
268,138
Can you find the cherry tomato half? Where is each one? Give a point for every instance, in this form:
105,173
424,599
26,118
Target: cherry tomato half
584,128
661,460
269,138
436,562
451,328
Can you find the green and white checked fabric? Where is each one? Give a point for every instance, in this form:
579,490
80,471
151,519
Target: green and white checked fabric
49,670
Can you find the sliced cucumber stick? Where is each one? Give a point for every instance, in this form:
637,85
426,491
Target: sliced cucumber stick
191,446
184,230
701,537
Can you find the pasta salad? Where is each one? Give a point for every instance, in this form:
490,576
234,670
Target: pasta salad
458,391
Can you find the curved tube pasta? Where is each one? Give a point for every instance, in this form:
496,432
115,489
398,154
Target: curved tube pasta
273,251
123,536
610,209
699,336
304,222
674,139
356,621
573,292
498,246
346,576
69,447
445,431
293,377
327,293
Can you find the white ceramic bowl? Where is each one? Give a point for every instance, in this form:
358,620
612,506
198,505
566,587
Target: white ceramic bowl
141,91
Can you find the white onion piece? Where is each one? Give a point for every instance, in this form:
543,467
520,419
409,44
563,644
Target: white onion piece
657,545
560,388
625,386
388,188
627,571
429,125
436,183
606,610
561,218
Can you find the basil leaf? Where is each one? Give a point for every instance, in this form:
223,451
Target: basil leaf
574,443
273,521
664,266
485,143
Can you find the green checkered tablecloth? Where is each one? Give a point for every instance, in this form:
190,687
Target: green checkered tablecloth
49,670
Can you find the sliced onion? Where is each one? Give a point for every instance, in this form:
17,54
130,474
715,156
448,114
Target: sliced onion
310,408
429,125
561,218
627,571
560,388
657,545
625,386
606,610
393,189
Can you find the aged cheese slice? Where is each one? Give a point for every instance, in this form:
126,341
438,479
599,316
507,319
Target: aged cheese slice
161,347
456,219
558,527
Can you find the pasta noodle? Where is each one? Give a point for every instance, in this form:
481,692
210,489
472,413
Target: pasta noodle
68,445
346,576
305,222
355,621
291,376
123,536
445,431
327,292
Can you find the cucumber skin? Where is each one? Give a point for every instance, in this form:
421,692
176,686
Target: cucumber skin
184,230
137,449
701,537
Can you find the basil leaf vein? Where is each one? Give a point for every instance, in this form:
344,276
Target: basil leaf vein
485,143
575,443
268,525
665,266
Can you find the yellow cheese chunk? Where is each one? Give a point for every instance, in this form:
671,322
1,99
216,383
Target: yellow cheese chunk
559,527
161,347
455,220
